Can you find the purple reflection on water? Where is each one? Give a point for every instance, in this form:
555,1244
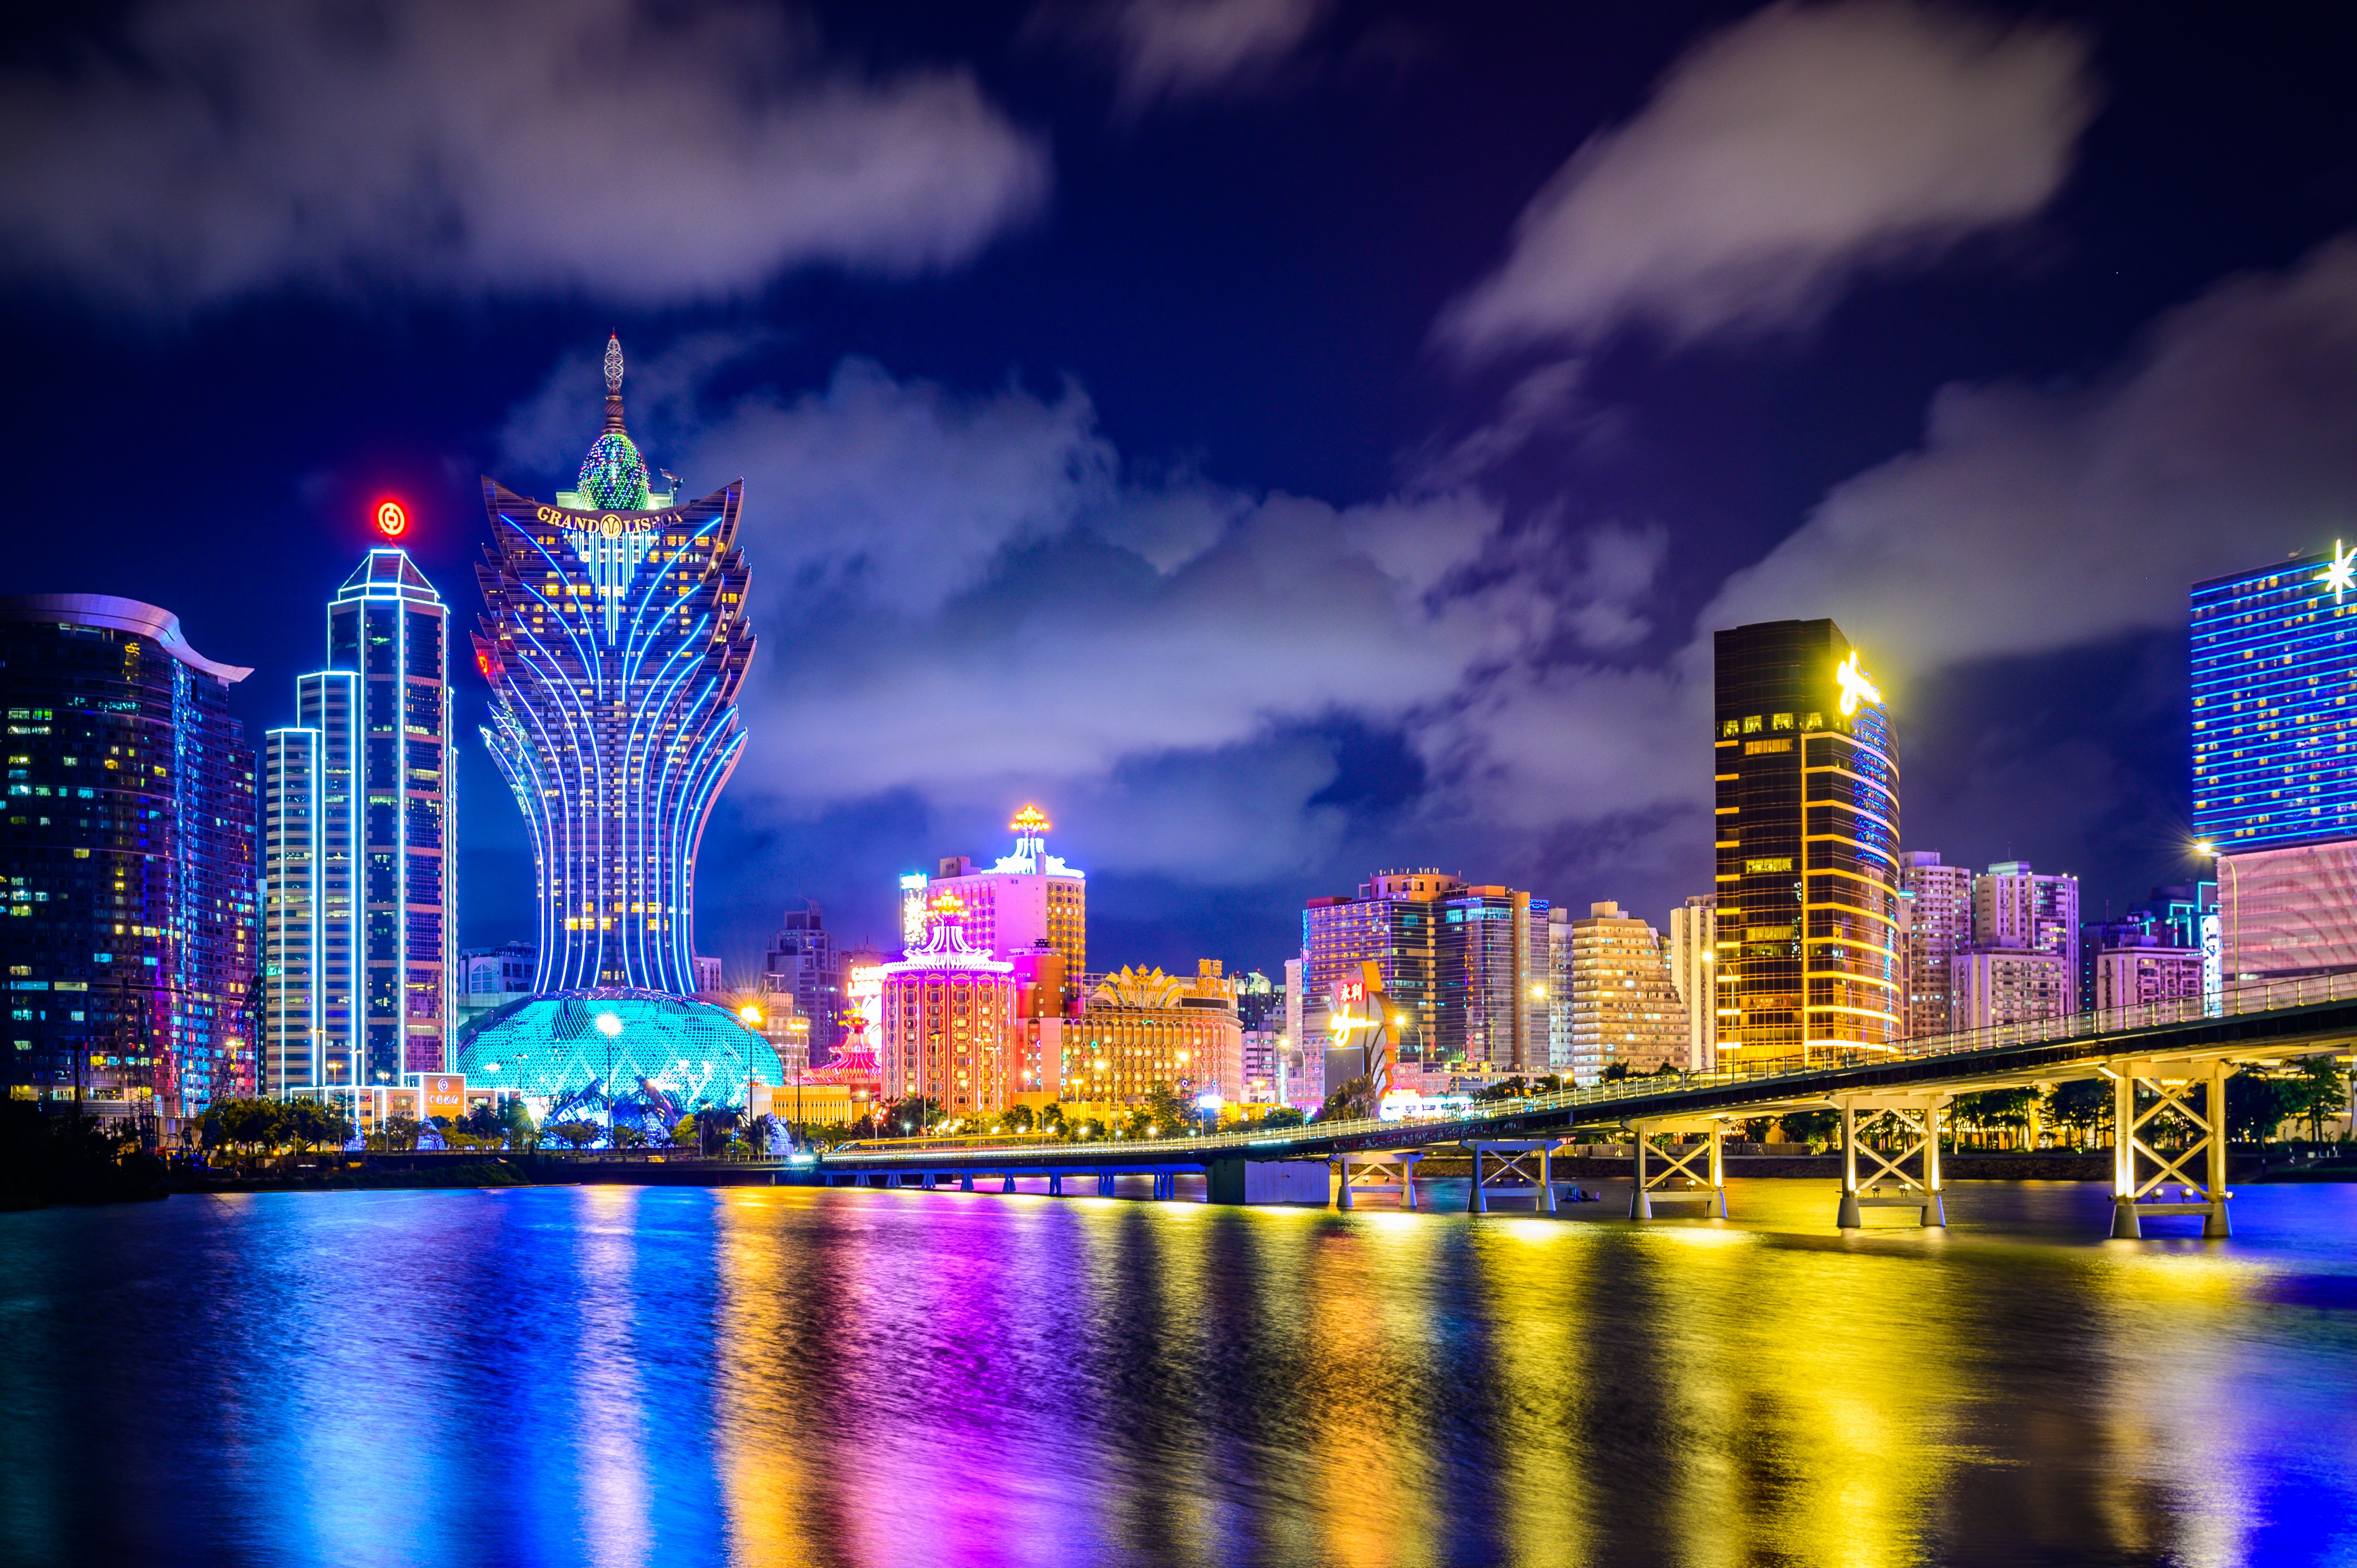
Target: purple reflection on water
671,1376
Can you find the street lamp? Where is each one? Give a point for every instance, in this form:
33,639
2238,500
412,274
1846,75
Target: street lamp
610,1025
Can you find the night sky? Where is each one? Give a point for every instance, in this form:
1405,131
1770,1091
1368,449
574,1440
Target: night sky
1281,439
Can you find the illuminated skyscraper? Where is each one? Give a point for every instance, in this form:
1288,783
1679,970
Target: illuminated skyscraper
1020,901
357,890
1807,841
614,639
129,835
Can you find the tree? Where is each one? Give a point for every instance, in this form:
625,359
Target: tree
2007,1108
1051,1120
1354,1101
910,1118
2256,1101
1282,1116
1019,1119
2082,1105
626,1136
2319,1089
516,1124
315,1124
1615,1071
684,1134
572,1134
1165,1115
1811,1127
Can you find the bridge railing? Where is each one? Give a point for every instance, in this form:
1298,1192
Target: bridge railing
2249,996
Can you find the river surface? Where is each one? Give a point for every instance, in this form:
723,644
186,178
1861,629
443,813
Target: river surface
679,1377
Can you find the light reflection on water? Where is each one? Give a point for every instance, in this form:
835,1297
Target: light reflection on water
626,1376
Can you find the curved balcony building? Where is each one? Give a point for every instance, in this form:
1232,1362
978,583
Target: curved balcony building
614,639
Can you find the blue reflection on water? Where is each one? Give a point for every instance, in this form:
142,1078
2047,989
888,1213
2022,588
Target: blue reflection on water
677,1376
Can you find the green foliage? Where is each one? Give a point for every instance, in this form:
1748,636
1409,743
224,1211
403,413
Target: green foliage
52,1158
1164,1114
1282,1116
572,1134
2320,1090
1019,1119
1812,1127
1615,1071
1354,1101
2084,1106
1993,1107
910,1118
2255,1100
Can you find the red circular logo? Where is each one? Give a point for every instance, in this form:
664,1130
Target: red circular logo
390,519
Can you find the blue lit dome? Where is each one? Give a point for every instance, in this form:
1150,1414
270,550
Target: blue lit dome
669,1052
614,477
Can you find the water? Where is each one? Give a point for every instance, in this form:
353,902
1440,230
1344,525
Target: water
678,1377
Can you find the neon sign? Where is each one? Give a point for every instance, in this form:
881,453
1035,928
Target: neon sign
2342,576
390,519
1855,683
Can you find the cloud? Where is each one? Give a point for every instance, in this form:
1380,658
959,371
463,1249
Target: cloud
625,151
1003,606
2035,519
1168,49
1778,160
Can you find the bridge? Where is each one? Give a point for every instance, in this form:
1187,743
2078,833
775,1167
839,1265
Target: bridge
2167,1065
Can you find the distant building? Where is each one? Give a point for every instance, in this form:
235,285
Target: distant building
1393,922
1993,986
1693,974
803,962
2143,974
1141,1028
1624,1007
1022,897
133,953
2015,907
1807,840
2183,915
1491,949
490,978
948,1008
1939,927
1559,988
711,976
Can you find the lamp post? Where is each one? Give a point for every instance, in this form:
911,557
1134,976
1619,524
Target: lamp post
610,1025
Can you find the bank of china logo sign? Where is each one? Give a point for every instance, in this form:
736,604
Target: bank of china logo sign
1855,683
2341,574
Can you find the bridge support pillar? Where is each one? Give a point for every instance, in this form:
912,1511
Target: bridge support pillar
1498,1167
1648,1189
1375,1170
2136,1195
965,1181
1916,1120
1055,1184
927,1182
1104,1184
1225,1182
1007,1181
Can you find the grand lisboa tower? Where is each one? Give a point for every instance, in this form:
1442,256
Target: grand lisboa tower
614,639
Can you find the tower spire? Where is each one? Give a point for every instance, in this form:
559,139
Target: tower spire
614,382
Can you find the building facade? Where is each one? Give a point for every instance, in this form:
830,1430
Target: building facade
1807,845
2143,974
131,943
1141,1029
358,887
1020,901
614,640
1624,1004
1393,922
1990,987
1693,974
802,963
1491,980
2285,914
1939,927
948,1014
2016,907
2275,673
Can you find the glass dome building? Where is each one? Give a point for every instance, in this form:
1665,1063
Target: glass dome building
658,1048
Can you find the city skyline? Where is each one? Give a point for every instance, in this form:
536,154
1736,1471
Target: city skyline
1395,567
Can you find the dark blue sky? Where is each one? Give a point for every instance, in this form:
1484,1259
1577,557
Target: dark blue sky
1282,439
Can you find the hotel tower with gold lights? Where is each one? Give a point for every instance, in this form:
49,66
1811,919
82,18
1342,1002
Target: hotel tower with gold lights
1807,845
614,639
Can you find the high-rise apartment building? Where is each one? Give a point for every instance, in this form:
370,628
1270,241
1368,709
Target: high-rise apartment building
2016,907
1939,927
2141,973
132,950
1020,900
1693,974
1807,845
359,894
615,639
2275,761
1624,1006
802,963
1989,987
1491,977
1559,988
1393,922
